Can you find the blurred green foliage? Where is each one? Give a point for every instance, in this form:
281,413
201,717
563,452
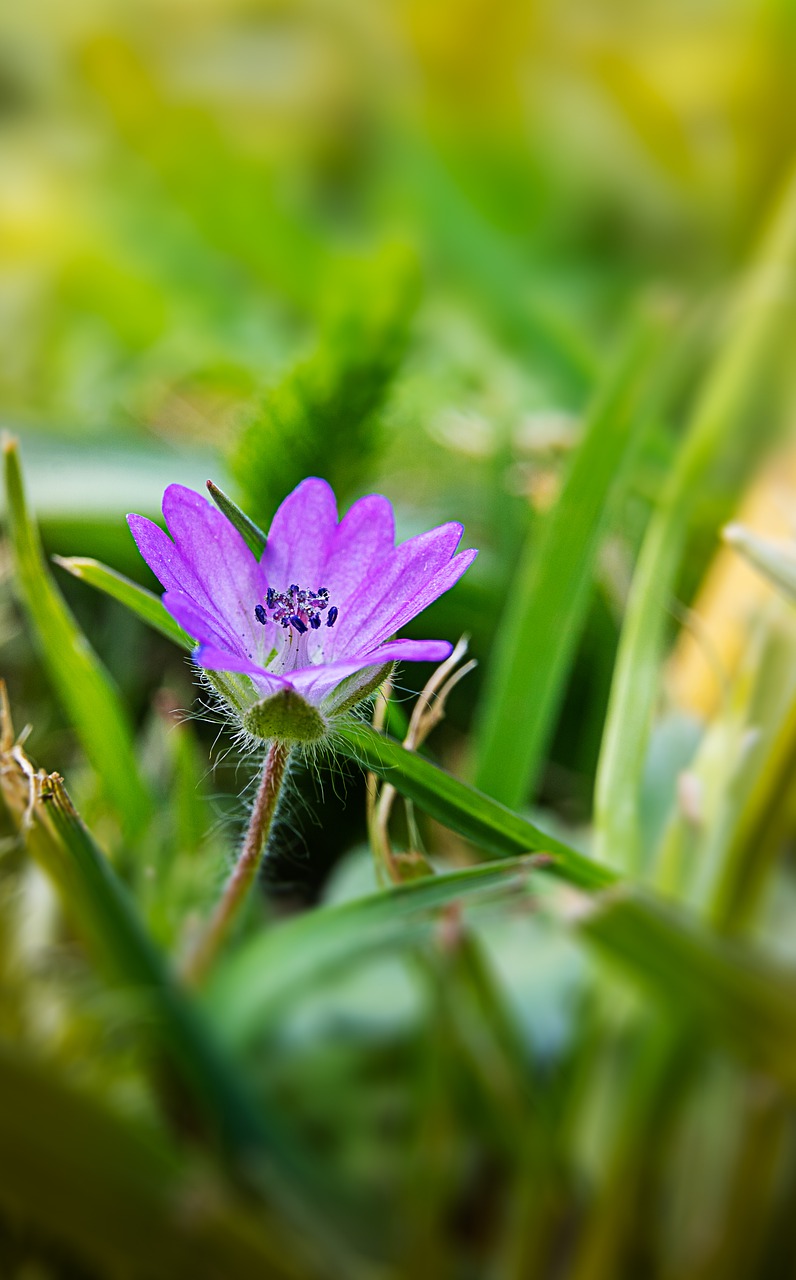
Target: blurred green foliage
413,248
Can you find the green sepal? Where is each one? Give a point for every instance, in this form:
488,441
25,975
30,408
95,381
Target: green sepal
355,689
286,717
252,535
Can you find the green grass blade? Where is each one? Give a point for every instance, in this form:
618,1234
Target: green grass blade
256,982
87,1178
726,392
78,678
774,558
536,642
731,991
484,821
144,604
252,535
105,915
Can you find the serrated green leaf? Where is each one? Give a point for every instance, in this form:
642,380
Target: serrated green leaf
79,680
488,824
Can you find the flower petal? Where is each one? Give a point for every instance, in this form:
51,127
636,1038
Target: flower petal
222,574
159,552
202,626
401,577
363,538
301,536
431,590
219,660
315,682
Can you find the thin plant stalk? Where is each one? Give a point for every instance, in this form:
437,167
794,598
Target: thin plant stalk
236,890
727,391
428,711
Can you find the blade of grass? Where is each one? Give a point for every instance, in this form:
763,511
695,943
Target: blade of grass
727,989
536,642
83,1176
725,393
488,824
105,915
143,603
250,1139
270,970
775,559
78,678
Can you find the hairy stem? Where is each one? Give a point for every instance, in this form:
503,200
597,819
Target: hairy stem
236,890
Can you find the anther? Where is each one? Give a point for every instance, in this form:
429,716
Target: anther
315,621
332,617
260,614
298,624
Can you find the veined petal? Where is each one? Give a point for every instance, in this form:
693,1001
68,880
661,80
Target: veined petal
202,626
159,552
224,576
315,682
363,539
301,536
213,659
431,590
407,571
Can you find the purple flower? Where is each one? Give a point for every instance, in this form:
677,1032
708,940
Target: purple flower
305,632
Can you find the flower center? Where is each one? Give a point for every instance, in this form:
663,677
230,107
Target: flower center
296,608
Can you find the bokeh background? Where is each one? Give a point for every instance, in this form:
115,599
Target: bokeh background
403,245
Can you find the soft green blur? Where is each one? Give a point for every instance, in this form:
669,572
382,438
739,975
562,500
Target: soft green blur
527,264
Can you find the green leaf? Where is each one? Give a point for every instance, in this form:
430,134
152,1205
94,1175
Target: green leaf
537,640
143,603
249,1138
484,821
252,985
85,1177
104,913
336,392
726,391
254,537
78,678
774,558
731,991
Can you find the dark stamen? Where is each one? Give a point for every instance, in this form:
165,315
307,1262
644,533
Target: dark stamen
297,608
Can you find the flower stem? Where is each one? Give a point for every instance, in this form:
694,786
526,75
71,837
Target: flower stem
245,871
